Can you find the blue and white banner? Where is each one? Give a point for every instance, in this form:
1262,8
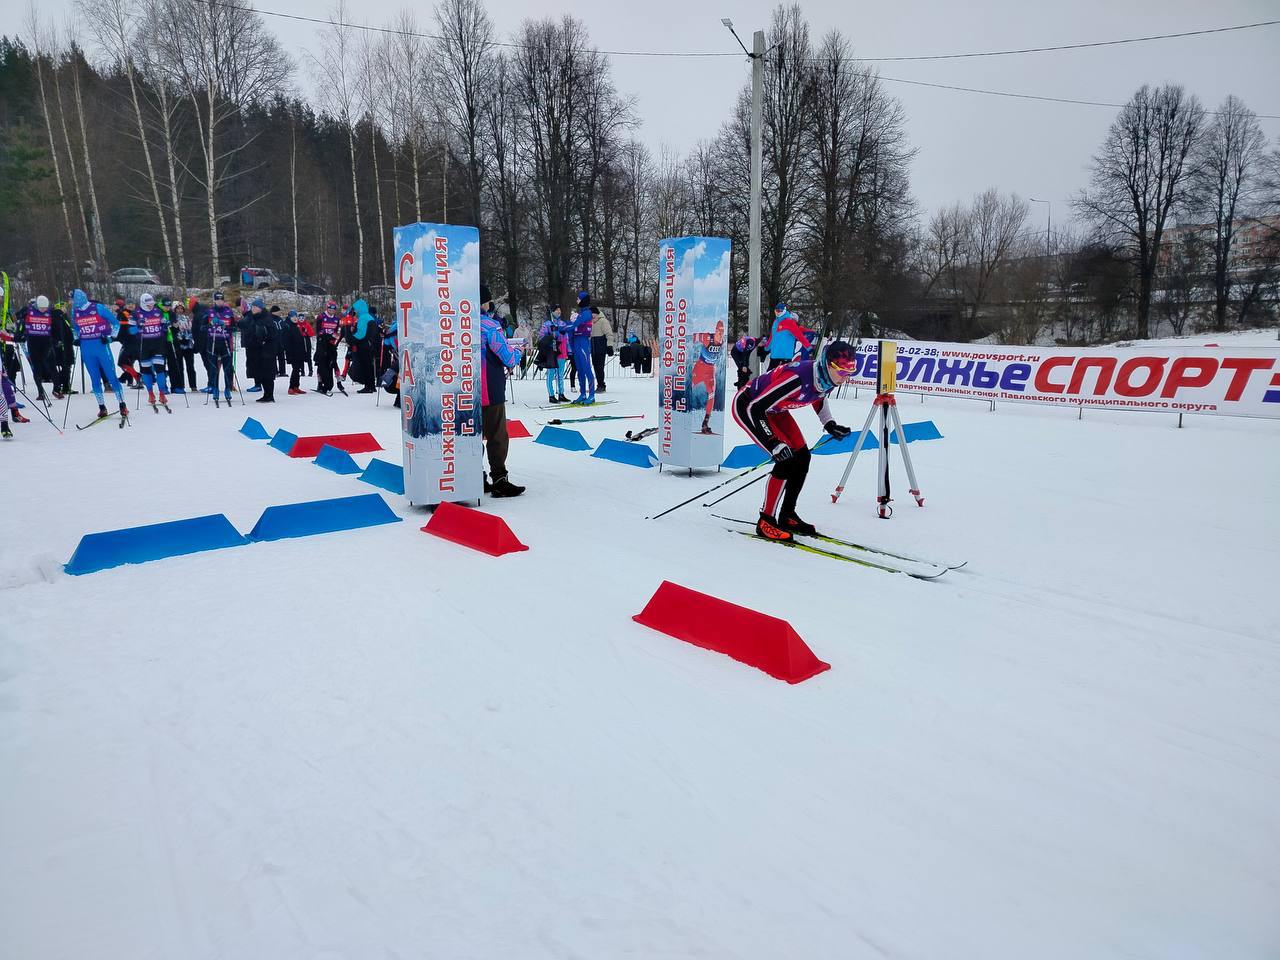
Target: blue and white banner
693,316
438,302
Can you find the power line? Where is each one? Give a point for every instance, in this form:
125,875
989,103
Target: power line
1072,46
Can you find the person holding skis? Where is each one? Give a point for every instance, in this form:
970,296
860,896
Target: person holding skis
497,357
784,337
220,322
153,328
763,409
94,327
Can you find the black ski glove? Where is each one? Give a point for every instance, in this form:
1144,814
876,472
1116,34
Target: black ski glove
782,453
836,430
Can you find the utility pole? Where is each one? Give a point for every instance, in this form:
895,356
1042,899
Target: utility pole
756,54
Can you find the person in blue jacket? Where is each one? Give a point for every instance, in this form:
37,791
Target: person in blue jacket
152,327
579,331
497,357
94,325
785,336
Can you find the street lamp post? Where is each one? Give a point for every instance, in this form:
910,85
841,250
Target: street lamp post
1049,227
756,55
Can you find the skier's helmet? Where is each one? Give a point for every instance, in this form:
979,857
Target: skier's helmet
146,301
42,303
840,359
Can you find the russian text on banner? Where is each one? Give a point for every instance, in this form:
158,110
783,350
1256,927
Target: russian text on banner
693,300
438,309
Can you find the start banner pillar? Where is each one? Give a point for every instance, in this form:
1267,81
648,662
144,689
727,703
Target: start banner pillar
693,295
438,312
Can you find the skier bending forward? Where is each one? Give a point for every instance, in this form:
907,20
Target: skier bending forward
763,409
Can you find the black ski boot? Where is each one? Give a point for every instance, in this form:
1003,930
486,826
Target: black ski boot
800,528
5,431
124,415
488,487
503,487
562,399
103,412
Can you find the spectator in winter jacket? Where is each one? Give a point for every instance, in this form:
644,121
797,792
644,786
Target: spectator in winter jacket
260,341
497,357
362,344
741,354
553,354
784,337
295,350
601,334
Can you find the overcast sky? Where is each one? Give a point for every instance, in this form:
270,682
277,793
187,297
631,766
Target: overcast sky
966,142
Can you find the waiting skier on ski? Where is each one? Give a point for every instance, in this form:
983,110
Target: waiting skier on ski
152,327
328,329
94,326
221,320
763,409
579,330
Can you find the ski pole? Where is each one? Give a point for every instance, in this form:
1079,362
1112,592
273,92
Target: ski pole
38,406
75,358
756,480
706,492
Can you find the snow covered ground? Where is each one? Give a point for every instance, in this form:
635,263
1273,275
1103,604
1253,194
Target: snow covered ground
379,744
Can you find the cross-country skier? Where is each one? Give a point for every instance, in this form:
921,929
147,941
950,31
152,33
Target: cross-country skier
37,325
763,409
95,325
784,336
579,331
219,333
705,367
152,327
328,329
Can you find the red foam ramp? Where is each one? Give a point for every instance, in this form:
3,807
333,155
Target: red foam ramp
473,528
309,447
516,430
756,639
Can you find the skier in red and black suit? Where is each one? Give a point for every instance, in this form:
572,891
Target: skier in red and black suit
763,409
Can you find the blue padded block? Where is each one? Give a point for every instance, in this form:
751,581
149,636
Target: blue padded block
922,430
283,441
156,541
322,516
254,430
562,438
339,461
832,447
384,474
625,451
744,455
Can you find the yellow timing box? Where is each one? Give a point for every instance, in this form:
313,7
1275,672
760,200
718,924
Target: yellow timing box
887,372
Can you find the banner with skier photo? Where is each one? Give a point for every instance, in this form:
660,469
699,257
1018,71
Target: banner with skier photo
693,298
438,307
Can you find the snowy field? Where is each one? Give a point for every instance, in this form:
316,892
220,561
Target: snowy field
379,744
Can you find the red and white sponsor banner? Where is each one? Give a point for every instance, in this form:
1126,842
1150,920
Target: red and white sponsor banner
1228,381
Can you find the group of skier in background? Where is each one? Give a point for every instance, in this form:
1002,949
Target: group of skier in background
159,342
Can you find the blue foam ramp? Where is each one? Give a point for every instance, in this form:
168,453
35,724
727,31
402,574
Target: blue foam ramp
384,474
744,455
283,441
625,451
156,541
322,516
562,438
833,447
254,430
339,461
921,430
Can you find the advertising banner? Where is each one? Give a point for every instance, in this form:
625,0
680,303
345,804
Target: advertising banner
1228,381
693,315
438,305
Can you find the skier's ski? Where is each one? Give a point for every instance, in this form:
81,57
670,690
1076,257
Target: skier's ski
859,546
571,403
95,421
589,420
325,393
640,435
798,544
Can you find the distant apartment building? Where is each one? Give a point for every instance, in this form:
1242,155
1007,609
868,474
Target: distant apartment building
1253,243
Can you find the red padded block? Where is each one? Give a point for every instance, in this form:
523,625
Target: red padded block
309,447
756,639
516,430
473,528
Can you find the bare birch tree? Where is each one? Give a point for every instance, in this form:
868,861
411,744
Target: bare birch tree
36,30
340,89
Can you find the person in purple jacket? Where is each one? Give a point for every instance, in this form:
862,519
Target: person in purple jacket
94,326
497,357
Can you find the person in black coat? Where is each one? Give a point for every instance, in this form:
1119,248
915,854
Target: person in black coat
294,343
260,341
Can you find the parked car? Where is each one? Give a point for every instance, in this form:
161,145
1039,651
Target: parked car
256,278
135,275
285,282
